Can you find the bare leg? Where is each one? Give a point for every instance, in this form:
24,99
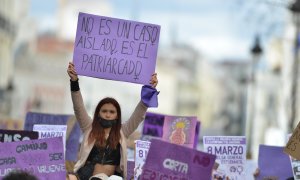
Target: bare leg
72,177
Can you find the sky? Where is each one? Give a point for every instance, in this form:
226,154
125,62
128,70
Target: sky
218,29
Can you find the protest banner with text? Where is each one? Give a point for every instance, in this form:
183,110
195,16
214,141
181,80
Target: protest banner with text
171,161
231,155
73,130
17,135
50,131
42,157
115,49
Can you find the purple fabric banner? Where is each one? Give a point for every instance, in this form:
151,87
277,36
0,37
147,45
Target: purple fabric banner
42,157
17,135
115,49
171,161
73,129
273,163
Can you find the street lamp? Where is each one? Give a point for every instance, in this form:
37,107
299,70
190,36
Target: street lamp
256,52
295,9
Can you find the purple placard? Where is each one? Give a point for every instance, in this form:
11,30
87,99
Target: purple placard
73,129
42,157
180,130
17,135
130,169
115,49
153,124
273,163
172,161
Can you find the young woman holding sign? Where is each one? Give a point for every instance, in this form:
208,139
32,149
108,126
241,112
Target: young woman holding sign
103,151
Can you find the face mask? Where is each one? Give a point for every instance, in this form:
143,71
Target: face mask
107,123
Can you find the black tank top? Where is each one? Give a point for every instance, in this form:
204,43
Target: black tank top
105,156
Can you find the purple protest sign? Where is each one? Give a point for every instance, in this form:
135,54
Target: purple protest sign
153,124
42,157
17,135
180,130
73,130
171,161
115,49
273,163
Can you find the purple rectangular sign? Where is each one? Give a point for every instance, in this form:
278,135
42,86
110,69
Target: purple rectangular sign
273,163
153,124
73,130
176,162
115,49
42,157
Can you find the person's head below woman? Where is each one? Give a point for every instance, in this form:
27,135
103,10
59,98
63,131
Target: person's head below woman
106,123
19,175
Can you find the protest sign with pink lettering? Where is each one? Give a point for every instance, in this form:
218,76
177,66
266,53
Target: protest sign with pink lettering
231,155
115,49
171,161
42,157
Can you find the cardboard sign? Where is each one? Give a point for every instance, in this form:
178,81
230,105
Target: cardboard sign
73,129
115,49
293,146
295,164
171,161
231,155
42,157
17,135
141,151
273,163
182,130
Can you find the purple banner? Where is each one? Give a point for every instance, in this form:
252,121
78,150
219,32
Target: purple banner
42,157
273,163
17,135
115,49
176,162
73,129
